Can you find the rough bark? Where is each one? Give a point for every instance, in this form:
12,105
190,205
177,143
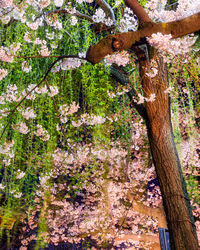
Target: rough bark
175,199
127,40
157,116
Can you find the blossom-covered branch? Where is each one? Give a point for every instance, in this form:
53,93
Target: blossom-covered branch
124,41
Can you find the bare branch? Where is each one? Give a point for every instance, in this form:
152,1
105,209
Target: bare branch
107,8
139,11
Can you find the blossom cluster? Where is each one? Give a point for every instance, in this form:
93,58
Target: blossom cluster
21,127
142,99
70,63
25,67
6,54
100,17
28,113
89,120
42,133
158,12
172,46
3,73
66,110
120,58
128,22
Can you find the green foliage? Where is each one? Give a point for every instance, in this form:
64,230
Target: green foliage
87,86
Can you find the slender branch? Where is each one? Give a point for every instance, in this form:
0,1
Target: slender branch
124,81
43,79
77,14
139,11
107,8
60,57
83,16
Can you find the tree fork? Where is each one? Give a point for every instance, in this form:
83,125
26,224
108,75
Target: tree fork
159,128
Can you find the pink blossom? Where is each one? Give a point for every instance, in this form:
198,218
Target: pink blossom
28,113
25,67
42,133
168,90
44,3
44,51
20,174
3,73
54,91
58,3
21,127
5,55
120,58
6,3
70,63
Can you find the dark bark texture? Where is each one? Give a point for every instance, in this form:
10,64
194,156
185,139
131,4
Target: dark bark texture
175,199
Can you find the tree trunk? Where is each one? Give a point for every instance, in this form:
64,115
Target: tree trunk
158,121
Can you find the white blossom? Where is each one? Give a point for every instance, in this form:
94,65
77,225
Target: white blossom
73,20
58,3
20,174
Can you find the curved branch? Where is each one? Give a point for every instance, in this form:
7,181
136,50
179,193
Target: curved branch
132,93
107,8
139,11
43,79
124,41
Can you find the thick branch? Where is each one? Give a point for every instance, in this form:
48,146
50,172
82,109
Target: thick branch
153,239
157,213
139,11
106,7
127,40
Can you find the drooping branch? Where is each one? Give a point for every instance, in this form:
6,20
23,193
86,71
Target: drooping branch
43,80
132,93
107,8
124,41
139,11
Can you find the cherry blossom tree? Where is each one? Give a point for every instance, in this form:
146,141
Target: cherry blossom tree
157,113
154,35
